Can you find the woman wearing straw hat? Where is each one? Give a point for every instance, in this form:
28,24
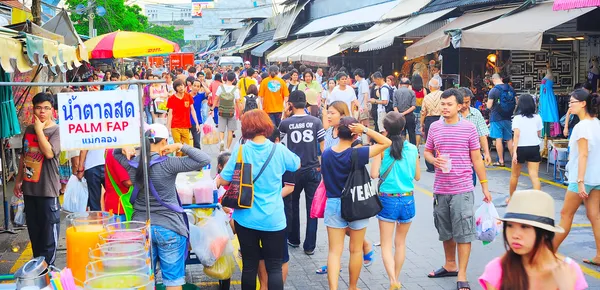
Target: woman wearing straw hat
530,262
582,170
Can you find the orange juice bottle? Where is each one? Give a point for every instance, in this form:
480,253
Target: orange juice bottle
83,231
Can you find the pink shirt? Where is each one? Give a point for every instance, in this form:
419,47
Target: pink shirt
493,274
458,140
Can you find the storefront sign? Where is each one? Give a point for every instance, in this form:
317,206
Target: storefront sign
98,120
199,5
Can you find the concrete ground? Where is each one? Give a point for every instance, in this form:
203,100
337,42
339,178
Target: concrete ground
424,251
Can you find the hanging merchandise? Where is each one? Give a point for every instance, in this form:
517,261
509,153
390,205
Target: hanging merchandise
548,106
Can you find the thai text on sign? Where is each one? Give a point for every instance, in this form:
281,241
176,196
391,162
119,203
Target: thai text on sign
98,120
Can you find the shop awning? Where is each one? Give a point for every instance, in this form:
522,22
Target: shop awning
401,27
375,31
295,47
363,15
404,9
286,21
297,56
247,46
520,31
440,38
572,4
12,49
245,32
281,49
320,55
259,51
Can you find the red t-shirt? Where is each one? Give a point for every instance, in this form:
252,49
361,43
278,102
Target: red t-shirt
182,110
119,174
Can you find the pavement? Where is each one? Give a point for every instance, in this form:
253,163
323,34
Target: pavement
424,251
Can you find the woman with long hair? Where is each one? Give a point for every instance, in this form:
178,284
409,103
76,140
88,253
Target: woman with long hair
530,261
335,170
294,80
397,167
583,171
327,92
420,92
265,221
527,127
168,226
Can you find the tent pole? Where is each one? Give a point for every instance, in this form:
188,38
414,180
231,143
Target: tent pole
6,229
144,160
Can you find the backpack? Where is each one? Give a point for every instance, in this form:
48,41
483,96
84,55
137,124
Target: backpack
251,103
506,102
227,102
390,105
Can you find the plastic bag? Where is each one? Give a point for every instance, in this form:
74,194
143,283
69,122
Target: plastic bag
209,132
204,110
76,195
210,237
317,209
222,269
487,224
18,207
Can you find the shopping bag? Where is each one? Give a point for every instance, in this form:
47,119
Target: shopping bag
210,135
210,237
222,269
487,224
18,208
76,195
359,196
317,209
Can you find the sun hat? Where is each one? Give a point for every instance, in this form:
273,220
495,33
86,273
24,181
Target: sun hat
311,96
158,131
534,208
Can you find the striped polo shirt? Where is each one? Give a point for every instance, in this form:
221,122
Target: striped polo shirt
458,140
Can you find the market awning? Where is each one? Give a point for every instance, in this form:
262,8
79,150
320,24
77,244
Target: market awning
401,27
297,56
441,38
12,49
320,55
287,20
295,47
404,8
520,31
375,31
281,49
363,15
259,51
240,40
572,4
247,46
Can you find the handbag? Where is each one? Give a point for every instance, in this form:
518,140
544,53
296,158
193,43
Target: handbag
385,175
240,194
317,208
359,196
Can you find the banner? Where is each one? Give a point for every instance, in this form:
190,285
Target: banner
199,5
98,120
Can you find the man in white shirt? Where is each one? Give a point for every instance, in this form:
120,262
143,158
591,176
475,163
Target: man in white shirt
384,92
228,97
363,96
319,76
91,166
344,93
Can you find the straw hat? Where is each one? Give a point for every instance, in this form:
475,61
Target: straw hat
311,96
534,208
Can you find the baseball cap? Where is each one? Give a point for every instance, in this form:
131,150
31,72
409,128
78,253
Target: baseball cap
157,131
246,62
297,97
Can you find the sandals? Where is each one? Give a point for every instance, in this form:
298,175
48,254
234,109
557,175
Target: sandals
323,270
591,262
498,164
368,258
460,285
442,272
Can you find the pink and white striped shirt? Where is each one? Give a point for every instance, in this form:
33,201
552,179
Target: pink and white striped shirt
458,140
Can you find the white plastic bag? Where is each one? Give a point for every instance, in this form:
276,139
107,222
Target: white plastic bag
210,237
76,195
18,207
487,224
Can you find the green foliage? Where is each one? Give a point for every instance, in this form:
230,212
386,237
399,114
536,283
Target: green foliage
121,17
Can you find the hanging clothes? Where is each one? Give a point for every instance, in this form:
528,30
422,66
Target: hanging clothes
548,107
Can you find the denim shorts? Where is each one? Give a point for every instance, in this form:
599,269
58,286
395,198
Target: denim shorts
333,216
168,247
399,209
588,188
501,130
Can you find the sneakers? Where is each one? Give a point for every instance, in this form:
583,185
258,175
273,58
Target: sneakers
293,245
309,253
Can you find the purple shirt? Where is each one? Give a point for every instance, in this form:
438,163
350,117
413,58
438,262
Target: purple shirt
458,140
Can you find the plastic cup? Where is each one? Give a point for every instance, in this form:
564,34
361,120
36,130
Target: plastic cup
117,266
119,250
448,166
120,281
123,236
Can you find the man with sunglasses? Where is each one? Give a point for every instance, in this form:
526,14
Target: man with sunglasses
38,179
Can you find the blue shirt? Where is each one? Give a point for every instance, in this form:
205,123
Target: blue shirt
198,98
401,178
267,211
335,168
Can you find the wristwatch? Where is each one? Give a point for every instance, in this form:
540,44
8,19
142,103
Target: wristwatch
579,181
365,130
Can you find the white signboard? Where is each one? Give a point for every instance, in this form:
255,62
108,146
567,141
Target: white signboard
98,120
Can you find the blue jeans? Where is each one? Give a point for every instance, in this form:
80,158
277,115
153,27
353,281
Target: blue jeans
168,248
400,209
148,115
95,180
307,181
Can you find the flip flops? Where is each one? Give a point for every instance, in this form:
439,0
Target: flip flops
462,285
368,257
323,270
591,262
442,272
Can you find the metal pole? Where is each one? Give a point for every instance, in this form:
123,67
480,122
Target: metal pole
64,84
144,160
4,182
91,16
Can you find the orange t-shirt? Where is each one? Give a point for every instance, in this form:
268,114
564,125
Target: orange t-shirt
273,91
182,110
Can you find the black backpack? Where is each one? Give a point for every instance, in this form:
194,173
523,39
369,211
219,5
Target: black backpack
390,105
251,103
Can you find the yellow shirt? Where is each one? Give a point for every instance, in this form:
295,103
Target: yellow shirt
246,83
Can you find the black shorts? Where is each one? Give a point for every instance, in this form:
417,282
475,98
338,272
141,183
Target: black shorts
529,154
